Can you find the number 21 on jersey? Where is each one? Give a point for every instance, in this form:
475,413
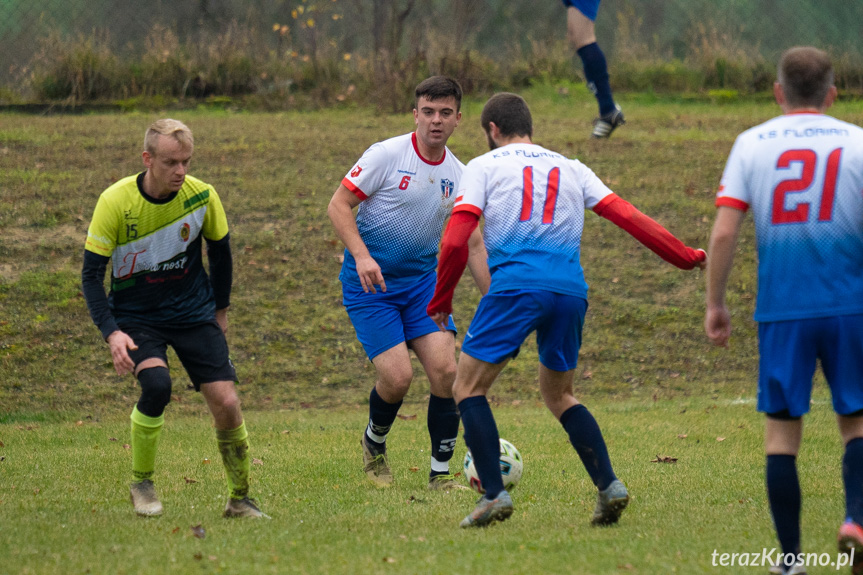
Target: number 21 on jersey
809,160
550,195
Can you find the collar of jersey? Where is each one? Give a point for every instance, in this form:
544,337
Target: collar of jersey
140,181
417,150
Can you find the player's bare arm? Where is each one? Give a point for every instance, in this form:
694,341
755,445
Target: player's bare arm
340,211
477,262
222,319
723,241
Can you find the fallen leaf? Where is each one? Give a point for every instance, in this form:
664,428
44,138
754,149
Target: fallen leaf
389,560
79,422
720,439
415,469
109,439
175,530
198,531
127,446
587,375
198,555
285,432
189,480
212,557
682,436
664,459
256,461
206,461
407,417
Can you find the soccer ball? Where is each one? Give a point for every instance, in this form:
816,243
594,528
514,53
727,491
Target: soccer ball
511,466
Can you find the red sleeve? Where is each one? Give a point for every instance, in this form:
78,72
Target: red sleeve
647,231
453,259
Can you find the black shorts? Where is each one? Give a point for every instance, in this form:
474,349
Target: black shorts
202,349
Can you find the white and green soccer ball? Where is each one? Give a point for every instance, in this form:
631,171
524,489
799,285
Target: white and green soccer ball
511,467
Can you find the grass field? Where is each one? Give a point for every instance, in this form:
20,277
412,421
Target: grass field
64,497
645,368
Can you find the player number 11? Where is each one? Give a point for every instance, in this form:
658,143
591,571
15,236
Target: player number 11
550,195
800,213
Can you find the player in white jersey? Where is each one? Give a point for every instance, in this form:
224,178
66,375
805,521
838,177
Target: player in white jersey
801,175
533,202
405,189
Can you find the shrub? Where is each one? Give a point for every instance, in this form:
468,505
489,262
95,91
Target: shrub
79,69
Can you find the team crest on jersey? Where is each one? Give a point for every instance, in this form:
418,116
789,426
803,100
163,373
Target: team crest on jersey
184,232
356,171
447,187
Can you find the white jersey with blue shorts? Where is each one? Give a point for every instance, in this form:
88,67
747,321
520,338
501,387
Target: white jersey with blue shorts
405,200
801,175
533,201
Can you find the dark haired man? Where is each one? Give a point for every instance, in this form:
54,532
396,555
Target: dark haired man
404,188
533,201
801,174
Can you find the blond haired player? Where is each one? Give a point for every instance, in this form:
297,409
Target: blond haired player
151,227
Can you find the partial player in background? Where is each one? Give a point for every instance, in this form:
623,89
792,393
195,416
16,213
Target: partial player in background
581,31
150,227
405,189
533,202
801,174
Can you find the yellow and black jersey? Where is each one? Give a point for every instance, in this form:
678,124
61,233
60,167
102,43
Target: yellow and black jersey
155,246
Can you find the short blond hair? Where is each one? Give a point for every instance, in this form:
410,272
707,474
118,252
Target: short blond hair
168,127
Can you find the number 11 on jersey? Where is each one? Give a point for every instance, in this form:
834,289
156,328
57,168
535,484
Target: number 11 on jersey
550,195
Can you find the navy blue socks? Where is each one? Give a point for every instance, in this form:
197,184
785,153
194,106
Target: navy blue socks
783,493
481,437
443,430
586,438
852,476
381,418
596,74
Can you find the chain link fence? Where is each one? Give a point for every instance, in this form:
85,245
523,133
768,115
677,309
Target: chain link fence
710,33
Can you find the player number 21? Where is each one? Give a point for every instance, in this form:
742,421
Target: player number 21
800,213
550,195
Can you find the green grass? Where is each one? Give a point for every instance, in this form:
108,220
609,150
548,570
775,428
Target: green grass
65,508
289,336
645,368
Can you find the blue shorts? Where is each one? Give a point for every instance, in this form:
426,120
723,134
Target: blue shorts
504,320
789,350
386,319
587,7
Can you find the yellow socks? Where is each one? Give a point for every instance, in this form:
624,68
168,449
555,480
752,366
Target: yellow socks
145,438
234,447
